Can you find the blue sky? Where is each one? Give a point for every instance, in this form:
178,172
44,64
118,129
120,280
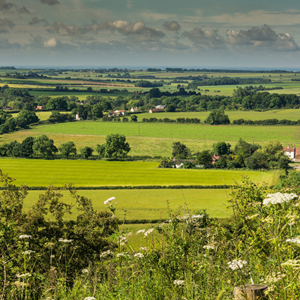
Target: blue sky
194,33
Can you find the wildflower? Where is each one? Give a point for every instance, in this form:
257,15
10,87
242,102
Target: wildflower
237,264
20,284
85,271
28,252
148,232
197,216
129,234
123,241
121,255
178,282
278,198
89,298
208,247
139,255
144,249
251,217
24,275
294,263
296,240
109,200
106,253
24,236
65,241
141,231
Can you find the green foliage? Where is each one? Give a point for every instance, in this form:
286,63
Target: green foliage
180,151
115,147
86,152
26,117
58,103
204,158
27,147
245,149
133,118
217,117
67,149
284,162
222,148
44,146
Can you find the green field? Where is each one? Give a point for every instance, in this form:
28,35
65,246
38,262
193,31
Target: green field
284,134
101,173
289,114
151,204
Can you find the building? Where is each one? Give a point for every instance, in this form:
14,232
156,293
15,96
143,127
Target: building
215,158
161,106
39,107
7,108
77,117
155,110
135,110
119,113
290,152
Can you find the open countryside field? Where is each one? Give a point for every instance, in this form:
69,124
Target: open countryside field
102,173
280,114
151,204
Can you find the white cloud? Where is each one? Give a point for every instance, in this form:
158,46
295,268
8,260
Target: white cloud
50,43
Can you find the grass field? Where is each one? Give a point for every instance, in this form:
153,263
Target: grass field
284,134
101,173
289,114
151,204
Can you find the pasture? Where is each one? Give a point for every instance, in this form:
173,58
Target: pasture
35,172
150,204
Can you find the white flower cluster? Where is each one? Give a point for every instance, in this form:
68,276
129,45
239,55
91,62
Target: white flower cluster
197,216
294,263
28,252
65,241
123,240
24,236
24,275
237,264
106,253
278,198
141,231
148,232
121,255
139,255
296,240
85,271
90,298
109,200
178,282
143,248
208,247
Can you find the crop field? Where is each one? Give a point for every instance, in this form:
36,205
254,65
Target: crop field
289,114
151,204
102,173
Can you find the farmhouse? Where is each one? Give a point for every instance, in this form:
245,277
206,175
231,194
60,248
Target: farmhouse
215,158
134,109
155,110
39,107
290,152
161,106
7,108
119,112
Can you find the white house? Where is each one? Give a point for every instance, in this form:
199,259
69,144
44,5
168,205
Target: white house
77,117
134,109
290,152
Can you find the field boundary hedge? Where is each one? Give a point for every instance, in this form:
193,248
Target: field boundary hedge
137,187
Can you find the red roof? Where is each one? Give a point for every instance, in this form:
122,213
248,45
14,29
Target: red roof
289,149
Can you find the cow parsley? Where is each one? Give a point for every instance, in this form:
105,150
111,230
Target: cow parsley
237,264
109,200
178,282
139,255
24,236
278,198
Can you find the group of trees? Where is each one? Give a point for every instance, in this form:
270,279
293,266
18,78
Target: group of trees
43,147
252,156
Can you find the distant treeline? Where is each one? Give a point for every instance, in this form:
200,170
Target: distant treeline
266,122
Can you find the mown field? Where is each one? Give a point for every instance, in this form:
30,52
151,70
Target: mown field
151,204
102,173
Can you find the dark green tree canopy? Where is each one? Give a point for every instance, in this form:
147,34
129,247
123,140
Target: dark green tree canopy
222,148
217,117
44,146
204,158
114,147
26,117
27,147
58,103
180,151
86,152
67,149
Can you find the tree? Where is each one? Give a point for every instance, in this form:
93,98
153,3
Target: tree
27,147
251,163
221,148
273,149
11,124
204,158
217,117
180,151
134,118
284,162
58,103
221,163
261,159
97,110
44,146
86,152
67,148
245,149
115,147
171,108
26,117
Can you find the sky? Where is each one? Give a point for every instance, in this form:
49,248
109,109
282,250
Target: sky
157,33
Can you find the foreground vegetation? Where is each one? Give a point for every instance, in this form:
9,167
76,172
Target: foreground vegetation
191,256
